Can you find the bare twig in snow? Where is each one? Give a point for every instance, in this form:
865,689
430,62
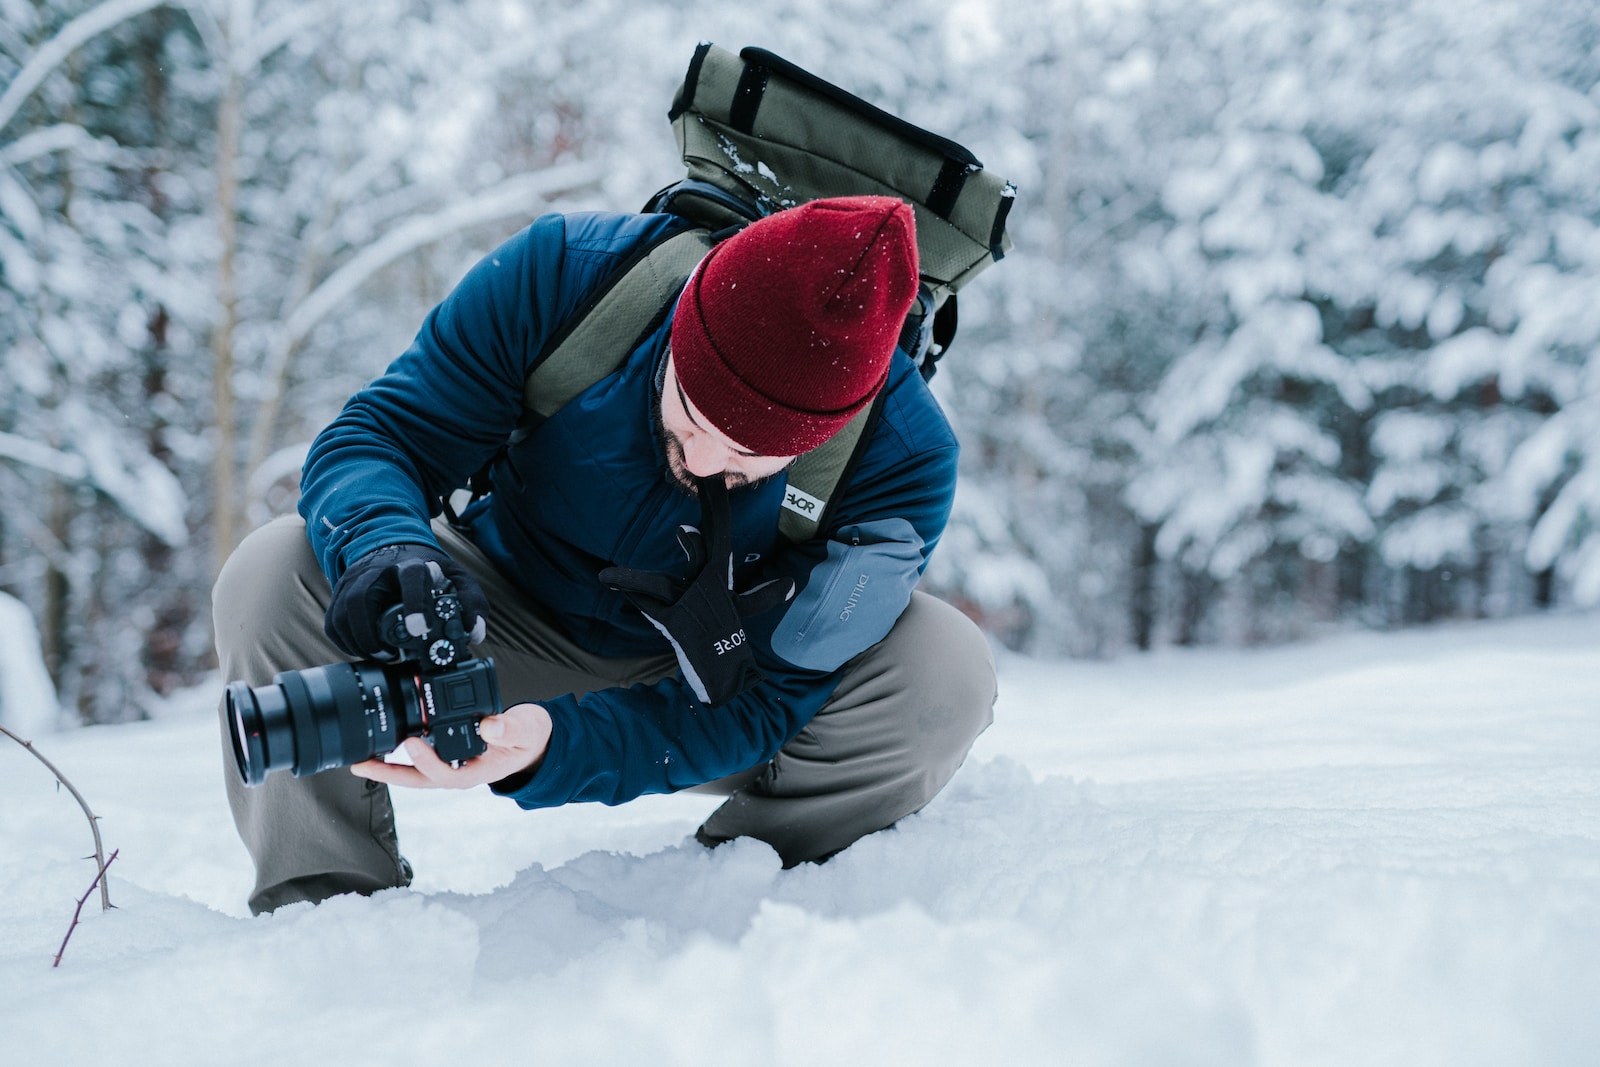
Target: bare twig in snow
94,820
77,913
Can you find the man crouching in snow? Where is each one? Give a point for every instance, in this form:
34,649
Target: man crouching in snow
845,700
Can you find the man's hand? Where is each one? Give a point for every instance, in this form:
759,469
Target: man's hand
403,574
517,739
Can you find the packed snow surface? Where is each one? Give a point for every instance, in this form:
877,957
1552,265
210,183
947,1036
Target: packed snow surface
1361,850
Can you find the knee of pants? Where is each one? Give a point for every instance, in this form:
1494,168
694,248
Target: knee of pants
270,582
966,668
949,668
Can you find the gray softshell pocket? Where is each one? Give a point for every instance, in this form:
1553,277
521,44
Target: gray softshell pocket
852,597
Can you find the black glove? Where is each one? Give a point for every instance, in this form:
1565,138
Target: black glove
408,576
701,614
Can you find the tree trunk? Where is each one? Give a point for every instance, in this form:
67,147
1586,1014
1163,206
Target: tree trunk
224,504
1198,589
57,590
1144,588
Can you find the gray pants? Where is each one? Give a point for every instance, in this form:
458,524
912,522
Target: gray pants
901,721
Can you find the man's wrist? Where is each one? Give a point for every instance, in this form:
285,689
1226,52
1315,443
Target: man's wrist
515,783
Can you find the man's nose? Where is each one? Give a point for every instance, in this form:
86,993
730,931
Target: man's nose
704,457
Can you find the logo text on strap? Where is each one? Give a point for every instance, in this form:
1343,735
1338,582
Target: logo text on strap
803,503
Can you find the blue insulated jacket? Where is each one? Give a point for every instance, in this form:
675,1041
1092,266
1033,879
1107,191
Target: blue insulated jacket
587,489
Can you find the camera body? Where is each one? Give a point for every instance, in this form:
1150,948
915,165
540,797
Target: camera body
319,718
450,684
440,645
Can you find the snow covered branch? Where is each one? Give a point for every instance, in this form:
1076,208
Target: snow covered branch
137,483
62,137
53,52
514,196
62,464
519,196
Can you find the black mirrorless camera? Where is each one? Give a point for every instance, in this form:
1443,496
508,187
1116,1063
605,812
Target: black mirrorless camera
324,717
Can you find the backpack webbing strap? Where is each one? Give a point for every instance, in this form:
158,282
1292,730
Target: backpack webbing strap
601,334
815,475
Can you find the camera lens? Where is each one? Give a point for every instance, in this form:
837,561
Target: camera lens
258,725
321,717
324,717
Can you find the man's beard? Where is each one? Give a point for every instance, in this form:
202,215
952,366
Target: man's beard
678,472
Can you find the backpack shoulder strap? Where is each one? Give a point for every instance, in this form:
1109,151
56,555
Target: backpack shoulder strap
629,305
815,475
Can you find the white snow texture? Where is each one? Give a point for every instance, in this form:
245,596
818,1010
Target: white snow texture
1366,850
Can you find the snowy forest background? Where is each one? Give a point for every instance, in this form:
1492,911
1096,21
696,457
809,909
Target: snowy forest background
1299,329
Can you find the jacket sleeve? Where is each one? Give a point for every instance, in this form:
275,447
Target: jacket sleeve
617,744
377,474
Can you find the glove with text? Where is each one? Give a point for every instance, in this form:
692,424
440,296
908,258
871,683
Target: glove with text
701,614
414,578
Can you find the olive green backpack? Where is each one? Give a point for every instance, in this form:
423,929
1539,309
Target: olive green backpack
759,134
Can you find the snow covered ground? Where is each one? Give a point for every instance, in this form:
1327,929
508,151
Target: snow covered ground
1363,850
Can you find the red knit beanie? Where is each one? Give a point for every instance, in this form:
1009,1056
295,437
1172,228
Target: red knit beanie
785,330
